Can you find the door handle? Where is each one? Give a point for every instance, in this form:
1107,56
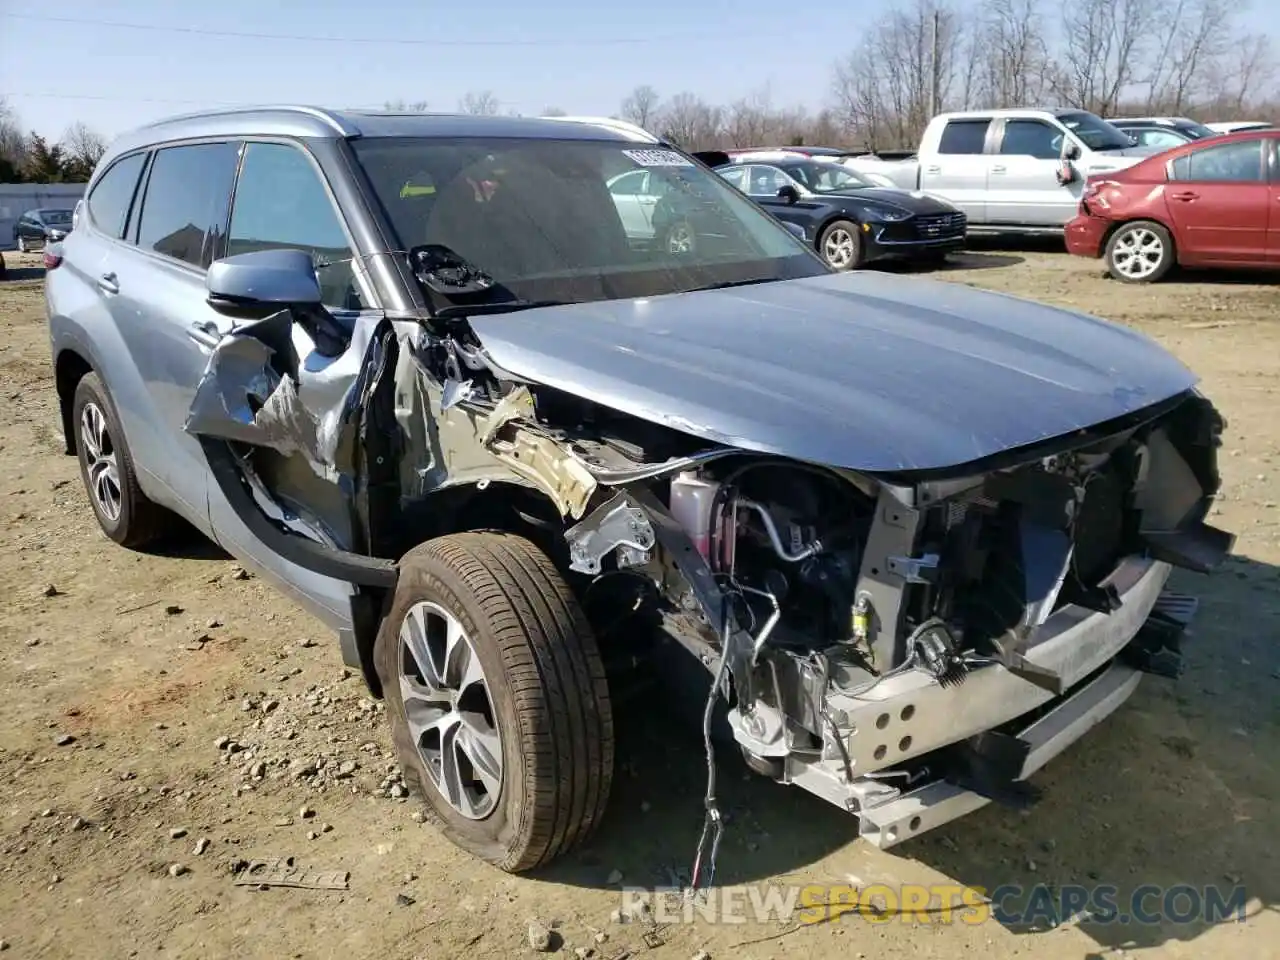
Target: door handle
1186,197
109,283
997,169
205,333
932,169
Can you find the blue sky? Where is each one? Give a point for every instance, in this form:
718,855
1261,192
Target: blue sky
581,55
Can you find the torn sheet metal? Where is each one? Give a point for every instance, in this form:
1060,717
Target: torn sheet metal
266,386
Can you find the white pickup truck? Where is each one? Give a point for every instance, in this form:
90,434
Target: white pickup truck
1011,171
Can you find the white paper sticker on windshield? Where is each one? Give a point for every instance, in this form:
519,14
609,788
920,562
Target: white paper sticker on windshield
658,158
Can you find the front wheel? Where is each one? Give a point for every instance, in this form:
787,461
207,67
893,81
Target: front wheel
22,244
497,698
841,245
1140,252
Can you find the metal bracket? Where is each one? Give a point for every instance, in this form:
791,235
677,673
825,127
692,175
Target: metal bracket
915,569
615,525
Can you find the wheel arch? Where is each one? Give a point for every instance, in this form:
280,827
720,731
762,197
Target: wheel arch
70,366
1116,226
497,505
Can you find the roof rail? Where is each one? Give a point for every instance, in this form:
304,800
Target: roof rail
327,117
612,123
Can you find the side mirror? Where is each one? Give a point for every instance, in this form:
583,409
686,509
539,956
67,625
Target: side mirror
789,194
1072,151
282,278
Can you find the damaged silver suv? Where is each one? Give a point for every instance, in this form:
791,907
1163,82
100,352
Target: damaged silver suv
501,427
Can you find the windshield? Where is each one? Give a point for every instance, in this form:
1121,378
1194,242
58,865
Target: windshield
1197,130
55,216
1094,132
575,220
824,177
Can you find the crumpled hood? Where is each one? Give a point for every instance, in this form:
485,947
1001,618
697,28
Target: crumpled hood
861,370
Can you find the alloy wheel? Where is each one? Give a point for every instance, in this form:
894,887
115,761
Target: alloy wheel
102,467
449,710
1137,253
839,248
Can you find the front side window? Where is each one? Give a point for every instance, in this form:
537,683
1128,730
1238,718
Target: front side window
1239,162
1031,138
733,176
542,217
282,203
184,209
112,195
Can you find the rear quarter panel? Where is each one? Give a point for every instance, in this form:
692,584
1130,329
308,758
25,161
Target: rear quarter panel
80,322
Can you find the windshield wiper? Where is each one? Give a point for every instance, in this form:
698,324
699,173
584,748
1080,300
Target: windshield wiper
724,285
456,311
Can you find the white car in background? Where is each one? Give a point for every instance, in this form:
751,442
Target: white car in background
1235,126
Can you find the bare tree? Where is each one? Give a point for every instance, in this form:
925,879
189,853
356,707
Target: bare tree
1189,41
641,106
553,112
481,103
82,148
691,122
1104,41
750,122
905,70
1246,78
1009,55
13,142
405,106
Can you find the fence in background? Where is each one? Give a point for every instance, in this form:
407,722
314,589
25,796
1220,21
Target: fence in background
17,198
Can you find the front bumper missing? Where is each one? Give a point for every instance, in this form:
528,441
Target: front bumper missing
1099,656
934,804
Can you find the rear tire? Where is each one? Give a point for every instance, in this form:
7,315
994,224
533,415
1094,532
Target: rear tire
515,763
1140,252
124,512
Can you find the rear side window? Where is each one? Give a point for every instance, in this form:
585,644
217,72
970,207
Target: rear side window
282,203
112,195
185,207
963,136
1239,162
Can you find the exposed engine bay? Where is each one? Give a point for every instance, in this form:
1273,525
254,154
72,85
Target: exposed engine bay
908,645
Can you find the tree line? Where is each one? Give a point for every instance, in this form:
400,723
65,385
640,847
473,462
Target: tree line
27,157
1111,57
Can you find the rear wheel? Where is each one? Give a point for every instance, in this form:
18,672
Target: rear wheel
124,512
497,698
841,244
1140,252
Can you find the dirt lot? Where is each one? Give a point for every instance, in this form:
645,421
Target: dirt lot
150,662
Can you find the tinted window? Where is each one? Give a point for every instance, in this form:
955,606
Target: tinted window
1031,138
185,206
1232,162
111,196
281,202
964,136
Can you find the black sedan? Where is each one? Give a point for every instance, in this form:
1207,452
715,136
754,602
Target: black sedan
35,228
848,220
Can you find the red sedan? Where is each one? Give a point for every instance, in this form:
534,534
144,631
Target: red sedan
1208,203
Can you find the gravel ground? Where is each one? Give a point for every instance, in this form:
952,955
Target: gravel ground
166,718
